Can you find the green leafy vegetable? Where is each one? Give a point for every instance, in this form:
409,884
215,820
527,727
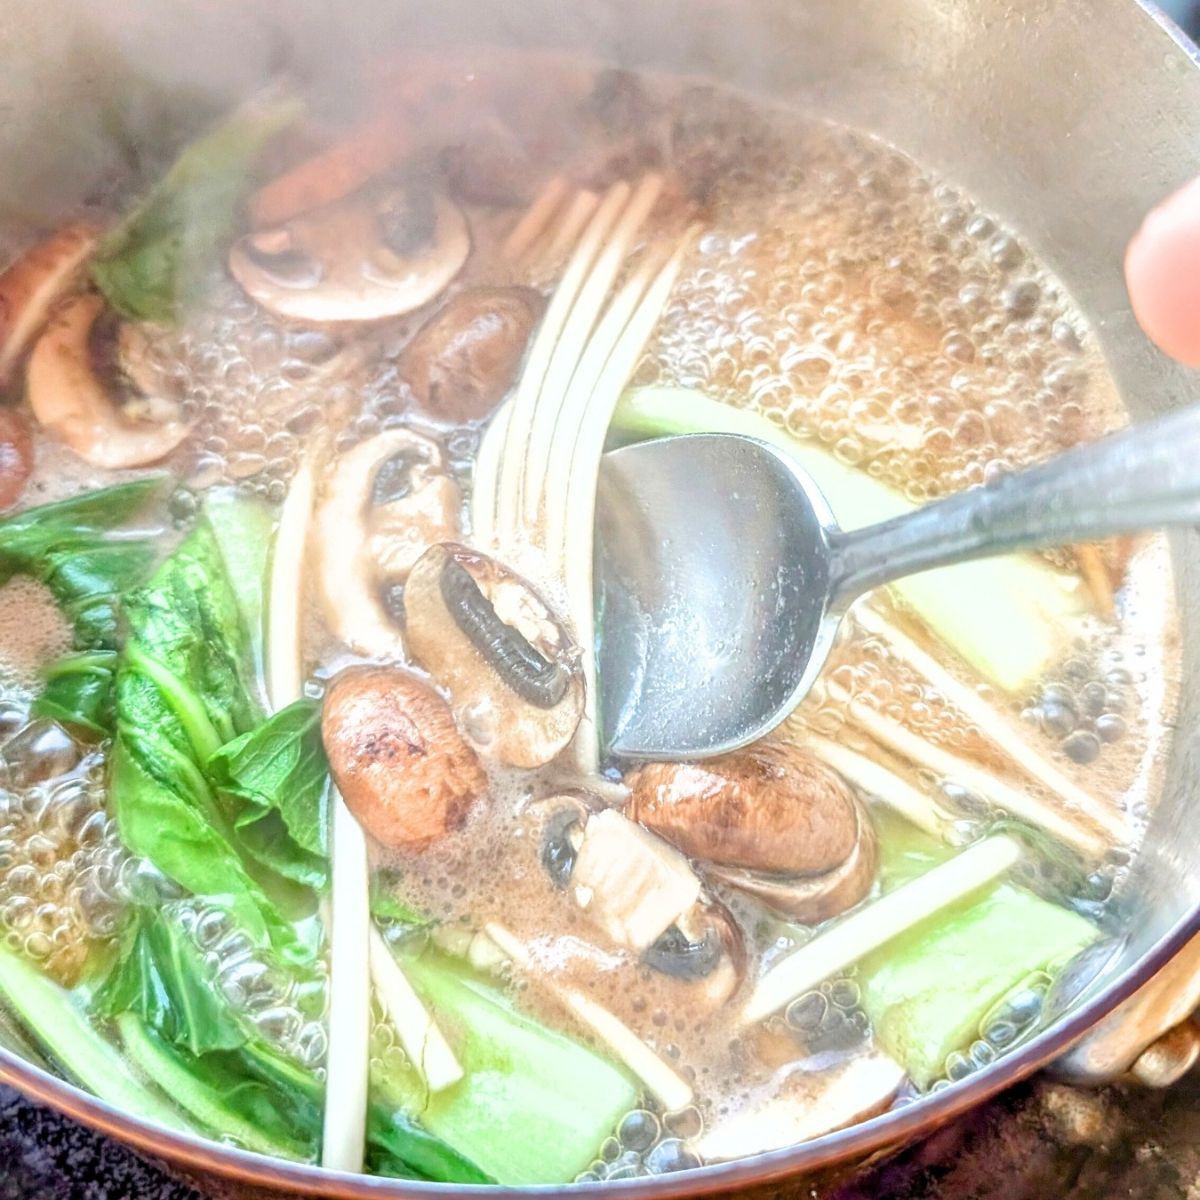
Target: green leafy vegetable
1010,618
79,691
80,550
278,774
181,695
244,528
533,1105
181,1030
929,991
73,1042
162,978
221,1094
155,260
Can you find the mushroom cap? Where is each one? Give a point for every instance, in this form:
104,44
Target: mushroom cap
813,898
381,252
72,404
461,363
765,809
33,284
363,545
527,647
397,758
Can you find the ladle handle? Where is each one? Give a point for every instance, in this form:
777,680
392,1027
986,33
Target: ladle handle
1144,477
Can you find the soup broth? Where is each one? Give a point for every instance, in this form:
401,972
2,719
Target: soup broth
354,579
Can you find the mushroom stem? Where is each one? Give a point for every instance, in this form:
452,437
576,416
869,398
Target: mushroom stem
343,1143
423,1042
569,352
879,783
671,1090
992,723
1081,836
348,917
865,930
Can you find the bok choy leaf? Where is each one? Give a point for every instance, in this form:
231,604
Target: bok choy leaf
80,549
276,775
181,694
155,260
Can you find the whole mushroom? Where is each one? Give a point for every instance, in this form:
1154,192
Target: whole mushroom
397,758
461,364
385,501
510,666
770,821
381,252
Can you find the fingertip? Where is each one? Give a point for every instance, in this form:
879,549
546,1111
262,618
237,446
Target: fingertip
1162,274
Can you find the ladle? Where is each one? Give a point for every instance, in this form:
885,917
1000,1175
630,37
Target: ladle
721,574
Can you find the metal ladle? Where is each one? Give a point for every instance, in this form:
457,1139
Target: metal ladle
721,574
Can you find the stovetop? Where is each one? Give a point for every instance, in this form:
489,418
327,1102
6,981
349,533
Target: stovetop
1040,1141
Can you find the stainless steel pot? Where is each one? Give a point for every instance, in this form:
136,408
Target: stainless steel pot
1069,120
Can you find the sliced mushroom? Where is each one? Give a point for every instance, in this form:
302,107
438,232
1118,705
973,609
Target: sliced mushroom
798,1105
72,403
510,666
642,894
386,501
34,284
462,363
770,821
381,252
396,757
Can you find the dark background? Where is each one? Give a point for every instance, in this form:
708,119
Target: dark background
1041,1141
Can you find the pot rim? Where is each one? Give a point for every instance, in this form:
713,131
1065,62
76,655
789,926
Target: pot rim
889,1130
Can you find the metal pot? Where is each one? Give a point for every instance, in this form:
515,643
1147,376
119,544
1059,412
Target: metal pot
1070,121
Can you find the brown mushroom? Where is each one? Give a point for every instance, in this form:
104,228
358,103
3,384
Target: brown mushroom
381,252
16,456
510,666
385,502
771,821
103,420
397,758
33,284
461,364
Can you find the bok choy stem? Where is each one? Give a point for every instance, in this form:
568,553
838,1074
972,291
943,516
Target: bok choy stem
670,1089
852,938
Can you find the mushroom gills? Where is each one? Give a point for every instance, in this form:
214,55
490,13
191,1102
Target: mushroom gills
531,676
75,407
385,501
489,638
